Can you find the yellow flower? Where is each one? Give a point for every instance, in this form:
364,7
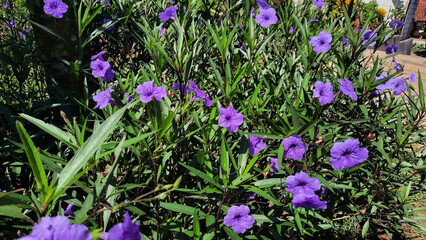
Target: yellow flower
382,12
340,3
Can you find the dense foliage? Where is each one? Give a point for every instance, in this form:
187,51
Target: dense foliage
211,120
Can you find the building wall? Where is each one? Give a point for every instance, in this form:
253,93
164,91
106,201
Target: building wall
388,4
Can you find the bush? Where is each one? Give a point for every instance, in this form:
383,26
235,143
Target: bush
211,117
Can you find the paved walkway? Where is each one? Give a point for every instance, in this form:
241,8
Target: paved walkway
412,63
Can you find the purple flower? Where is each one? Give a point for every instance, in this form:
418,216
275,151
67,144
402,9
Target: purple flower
58,228
275,166
324,92
105,2
22,33
308,201
253,13
239,219
313,20
302,184
318,3
109,74
256,145
169,13
347,154
252,196
294,147
199,94
321,43
230,119
391,49
57,8
266,17
180,87
172,1
412,77
324,191
99,67
161,31
99,55
129,98
148,90
291,29
381,86
10,24
368,35
397,85
345,40
126,230
6,5
395,24
103,98
347,88
263,4
69,211
107,20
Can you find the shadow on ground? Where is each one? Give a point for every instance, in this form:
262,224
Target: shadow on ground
420,53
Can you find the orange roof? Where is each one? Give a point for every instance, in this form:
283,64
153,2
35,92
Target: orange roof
420,14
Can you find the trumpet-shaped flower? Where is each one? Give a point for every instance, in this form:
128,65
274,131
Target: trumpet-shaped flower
266,17
294,147
230,119
301,183
56,8
347,88
321,43
256,145
103,98
148,90
239,219
169,13
347,154
126,230
308,201
58,228
324,92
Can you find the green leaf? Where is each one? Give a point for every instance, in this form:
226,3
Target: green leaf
62,136
201,175
232,234
175,207
196,226
263,194
34,159
365,228
87,151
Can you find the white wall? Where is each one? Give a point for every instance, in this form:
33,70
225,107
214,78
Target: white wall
388,4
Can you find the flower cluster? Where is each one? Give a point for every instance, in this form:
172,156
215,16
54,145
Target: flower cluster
101,68
397,85
56,8
303,189
239,219
199,94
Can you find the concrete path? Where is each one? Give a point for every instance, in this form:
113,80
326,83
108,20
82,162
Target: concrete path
412,63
